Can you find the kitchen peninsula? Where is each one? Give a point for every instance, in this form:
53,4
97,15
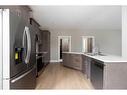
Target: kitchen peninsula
104,71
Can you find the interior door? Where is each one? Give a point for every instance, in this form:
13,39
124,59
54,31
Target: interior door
17,51
64,45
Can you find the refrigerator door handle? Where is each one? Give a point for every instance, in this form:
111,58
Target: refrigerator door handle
27,32
20,77
23,42
29,44
23,37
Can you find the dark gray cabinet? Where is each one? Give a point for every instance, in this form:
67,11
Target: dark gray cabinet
42,46
45,45
72,60
35,27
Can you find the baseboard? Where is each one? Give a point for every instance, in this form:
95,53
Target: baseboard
53,61
61,60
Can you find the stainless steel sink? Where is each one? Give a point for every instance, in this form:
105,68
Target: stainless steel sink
100,54
91,54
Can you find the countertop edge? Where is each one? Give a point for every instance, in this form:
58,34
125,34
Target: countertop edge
105,59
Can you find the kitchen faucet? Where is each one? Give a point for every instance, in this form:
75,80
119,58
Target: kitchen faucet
96,50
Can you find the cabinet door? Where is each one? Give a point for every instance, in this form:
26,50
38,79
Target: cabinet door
84,63
44,41
38,32
88,67
72,60
76,61
48,49
66,59
45,45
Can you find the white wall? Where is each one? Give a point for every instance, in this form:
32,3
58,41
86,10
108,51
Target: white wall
1,49
109,41
124,31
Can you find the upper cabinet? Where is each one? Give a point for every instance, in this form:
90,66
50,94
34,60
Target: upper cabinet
36,26
45,45
45,37
23,11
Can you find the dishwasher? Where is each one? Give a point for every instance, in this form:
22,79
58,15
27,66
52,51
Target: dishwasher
97,73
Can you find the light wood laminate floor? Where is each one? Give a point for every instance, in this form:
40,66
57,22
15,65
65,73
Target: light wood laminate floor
56,76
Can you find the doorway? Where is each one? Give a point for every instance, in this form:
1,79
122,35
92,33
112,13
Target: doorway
88,43
64,45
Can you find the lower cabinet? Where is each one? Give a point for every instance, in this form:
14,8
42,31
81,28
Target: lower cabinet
103,75
93,69
84,64
72,60
40,64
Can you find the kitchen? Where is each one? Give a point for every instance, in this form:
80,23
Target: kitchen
31,47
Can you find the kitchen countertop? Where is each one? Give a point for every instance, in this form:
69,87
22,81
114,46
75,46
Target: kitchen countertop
107,58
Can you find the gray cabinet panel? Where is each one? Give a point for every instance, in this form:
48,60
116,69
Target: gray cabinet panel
115,76
66,61
72,60
84,63
88,65
35,29
45,45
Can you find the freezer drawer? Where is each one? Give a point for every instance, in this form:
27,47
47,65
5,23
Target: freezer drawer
25,81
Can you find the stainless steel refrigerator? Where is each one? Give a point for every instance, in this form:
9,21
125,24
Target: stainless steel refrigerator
19,58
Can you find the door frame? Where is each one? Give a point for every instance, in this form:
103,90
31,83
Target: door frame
1,48
59,37
88,37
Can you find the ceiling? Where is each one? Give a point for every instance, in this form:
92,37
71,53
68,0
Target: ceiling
78,17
